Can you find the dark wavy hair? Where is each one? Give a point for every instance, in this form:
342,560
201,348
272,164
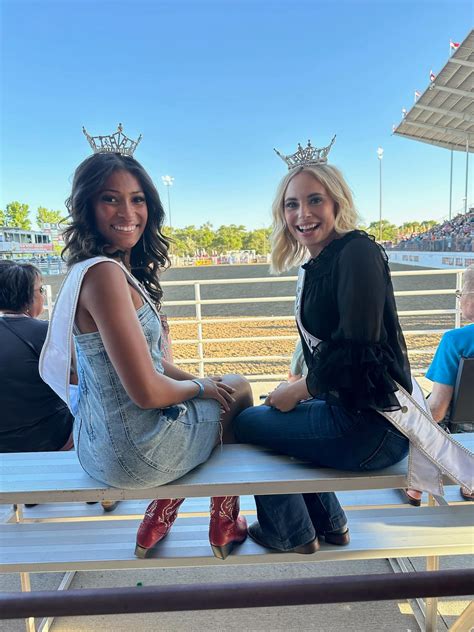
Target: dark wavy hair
17,285
83,241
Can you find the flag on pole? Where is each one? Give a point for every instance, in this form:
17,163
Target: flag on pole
417,95
453,46
432,76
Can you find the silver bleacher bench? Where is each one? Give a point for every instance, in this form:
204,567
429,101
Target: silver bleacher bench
56,543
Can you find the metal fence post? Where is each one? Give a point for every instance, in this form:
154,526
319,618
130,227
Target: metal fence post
457,316
49,301
200,346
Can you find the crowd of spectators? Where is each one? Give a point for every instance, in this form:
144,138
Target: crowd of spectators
454,235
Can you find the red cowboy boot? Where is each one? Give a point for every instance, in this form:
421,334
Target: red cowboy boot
157,521
226,528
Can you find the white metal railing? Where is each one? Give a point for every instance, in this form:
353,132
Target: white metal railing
199,321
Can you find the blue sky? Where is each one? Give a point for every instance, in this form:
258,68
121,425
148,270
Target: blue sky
213,86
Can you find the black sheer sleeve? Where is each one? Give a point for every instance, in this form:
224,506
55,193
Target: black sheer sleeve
352,368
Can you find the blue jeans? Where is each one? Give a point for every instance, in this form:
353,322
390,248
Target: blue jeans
328,436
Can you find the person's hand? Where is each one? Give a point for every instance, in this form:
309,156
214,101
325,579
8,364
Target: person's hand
216,378
218,390
284,398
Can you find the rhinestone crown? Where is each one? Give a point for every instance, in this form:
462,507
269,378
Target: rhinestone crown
308,155
116,143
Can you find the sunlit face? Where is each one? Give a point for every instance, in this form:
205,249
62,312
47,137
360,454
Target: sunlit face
36,307
121,211
309,212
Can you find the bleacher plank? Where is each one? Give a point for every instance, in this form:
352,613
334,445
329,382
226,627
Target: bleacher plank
100,545
61,512
232,469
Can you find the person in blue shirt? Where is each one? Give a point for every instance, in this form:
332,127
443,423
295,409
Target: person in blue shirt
455,344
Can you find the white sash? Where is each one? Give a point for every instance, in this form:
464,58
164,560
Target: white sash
55,359
432,451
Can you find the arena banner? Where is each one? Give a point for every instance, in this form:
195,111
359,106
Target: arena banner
437,260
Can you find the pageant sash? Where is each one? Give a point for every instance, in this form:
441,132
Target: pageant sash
433,452
58,349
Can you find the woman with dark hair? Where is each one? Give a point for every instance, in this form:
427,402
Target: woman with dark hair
139,420
33,417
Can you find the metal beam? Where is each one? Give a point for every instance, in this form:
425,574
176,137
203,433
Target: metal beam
457,91
461,62
452,113
178,598
438,128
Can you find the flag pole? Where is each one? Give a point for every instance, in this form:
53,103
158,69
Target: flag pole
451,186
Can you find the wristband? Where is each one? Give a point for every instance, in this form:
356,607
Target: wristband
201,389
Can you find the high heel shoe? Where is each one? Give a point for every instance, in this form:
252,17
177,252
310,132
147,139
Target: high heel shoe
157,521
226,527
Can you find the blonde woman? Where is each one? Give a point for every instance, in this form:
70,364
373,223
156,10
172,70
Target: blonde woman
353,347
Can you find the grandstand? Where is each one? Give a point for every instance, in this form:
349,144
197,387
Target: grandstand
454,235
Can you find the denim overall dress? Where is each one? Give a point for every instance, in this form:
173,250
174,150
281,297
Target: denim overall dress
117,442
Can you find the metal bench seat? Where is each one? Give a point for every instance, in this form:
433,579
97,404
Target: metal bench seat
99,545
67,511
233,469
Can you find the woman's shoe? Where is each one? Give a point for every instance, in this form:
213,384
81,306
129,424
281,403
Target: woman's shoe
157,521
333,537
465,493
109,505
256,533
226,527
415,502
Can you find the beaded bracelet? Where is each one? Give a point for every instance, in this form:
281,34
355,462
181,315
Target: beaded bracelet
201,389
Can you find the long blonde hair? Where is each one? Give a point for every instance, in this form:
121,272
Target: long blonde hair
286,251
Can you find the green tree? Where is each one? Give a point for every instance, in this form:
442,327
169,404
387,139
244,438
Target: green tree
184,242
229,238
205,236
258,240
17,215
47,216
2,217
428,224
389,230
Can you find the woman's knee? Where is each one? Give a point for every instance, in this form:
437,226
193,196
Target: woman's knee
243,391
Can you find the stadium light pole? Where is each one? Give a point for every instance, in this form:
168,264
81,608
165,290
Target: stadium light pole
380,156
168,182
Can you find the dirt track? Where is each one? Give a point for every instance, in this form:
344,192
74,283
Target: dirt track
228,329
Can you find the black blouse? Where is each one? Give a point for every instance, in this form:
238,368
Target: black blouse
348,303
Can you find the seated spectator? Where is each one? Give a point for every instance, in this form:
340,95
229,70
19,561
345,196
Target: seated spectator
34,418
454,345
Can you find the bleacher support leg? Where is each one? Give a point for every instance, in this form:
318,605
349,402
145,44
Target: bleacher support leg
25,577
464,621
26,587
432,564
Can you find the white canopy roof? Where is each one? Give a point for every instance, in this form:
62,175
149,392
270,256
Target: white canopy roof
444,114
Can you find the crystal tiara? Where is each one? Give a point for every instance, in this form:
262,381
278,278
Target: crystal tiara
306,156
116,143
